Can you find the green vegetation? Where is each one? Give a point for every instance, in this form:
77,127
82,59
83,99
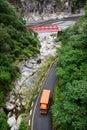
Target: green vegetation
70,103
23,125
3,121
15,44
86,9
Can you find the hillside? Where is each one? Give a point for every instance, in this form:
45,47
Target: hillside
70,101
27,7
16,44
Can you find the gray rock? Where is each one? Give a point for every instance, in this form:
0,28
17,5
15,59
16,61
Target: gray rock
15,127
12,99
18,108
1,110
23,103
9,106
9,114
11,121
19,119
18,102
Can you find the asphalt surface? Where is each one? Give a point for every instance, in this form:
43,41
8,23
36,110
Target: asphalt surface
43,122
50,21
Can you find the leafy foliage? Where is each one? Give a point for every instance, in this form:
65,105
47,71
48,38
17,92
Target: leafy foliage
86,9
2,104
70,107
23,125
15,44
3,121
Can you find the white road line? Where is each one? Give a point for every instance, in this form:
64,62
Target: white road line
29,123
38,100
30,112
35,109
32,104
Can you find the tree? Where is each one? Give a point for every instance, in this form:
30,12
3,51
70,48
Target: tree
86,9
70,109
15,43
3,121
2,104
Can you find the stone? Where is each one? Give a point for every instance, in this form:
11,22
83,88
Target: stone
60,17
9,114
15,127
30,65
17,88
1,110
11,121
18,102
19,119
23,103
18,108
12,99
9,106
38,61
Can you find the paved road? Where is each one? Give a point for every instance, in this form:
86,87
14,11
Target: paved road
43,122
50,21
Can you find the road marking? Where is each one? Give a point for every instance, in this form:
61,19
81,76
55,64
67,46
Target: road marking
35,108
29,123
30,112
38,99
32,104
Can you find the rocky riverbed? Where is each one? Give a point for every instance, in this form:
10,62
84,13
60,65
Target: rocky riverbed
18,98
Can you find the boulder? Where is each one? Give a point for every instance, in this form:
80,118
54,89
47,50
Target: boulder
1,110
9,114
19,119
11,121
12,99
23,103
15,127
9,106
18,102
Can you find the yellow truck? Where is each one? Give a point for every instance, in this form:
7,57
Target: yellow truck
44,101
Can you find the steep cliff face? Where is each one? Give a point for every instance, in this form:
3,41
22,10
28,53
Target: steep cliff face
40,6
46,6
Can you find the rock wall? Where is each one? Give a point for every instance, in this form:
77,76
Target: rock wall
47,6
39,6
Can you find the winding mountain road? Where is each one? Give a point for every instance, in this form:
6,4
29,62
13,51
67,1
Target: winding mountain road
43,122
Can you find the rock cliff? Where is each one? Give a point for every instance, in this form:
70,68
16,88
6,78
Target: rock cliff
40,6
47,6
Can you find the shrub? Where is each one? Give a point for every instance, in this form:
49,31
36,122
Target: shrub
2,104
23,125
3,121
86,9
69,109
